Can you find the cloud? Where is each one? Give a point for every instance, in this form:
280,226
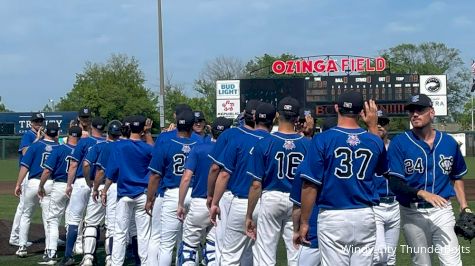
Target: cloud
400,27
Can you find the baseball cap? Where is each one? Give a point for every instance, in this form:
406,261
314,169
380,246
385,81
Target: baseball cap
288,105
75,131
52,129
221,124
418,100
383,119
329,122
350,102
199,116
37,117
99,123
84,112
265,112
251,106
114,128
181,107
137,123
186,117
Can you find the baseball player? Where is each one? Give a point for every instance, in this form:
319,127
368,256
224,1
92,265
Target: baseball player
216,166
95,211
56,167
387,212
128,162
33,161
342,162
167,168
199,127
233,177
272,167
197,223
79,196
34,134
428,162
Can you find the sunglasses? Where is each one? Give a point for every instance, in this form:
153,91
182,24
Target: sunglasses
383,122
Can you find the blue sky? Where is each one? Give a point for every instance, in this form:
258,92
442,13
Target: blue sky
45,43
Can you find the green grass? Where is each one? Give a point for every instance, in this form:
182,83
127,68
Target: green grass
9,170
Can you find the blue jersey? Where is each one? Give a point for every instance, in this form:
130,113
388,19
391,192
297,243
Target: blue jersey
296,198
127,166
235,157
36,156
166,136
199,163
58,162
105,154
222,141
169,161
275,159
382,186
93,156
343,162
424,168
26,140
81,151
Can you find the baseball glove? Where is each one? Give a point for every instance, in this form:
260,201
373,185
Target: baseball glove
465,225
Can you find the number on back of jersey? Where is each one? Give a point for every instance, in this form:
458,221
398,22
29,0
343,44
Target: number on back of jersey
358,159
287,164
179,164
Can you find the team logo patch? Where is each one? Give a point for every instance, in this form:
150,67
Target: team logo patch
289,145
48,148
353,140
432,84
446,163
186,149
415,98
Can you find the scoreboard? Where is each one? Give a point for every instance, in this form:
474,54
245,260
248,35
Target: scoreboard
321,92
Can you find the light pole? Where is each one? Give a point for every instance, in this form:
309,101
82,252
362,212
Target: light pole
161,98
52,104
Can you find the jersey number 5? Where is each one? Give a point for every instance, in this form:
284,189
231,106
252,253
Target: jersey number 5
360,157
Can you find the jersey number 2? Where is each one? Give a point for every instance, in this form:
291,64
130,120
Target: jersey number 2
179,164
345,169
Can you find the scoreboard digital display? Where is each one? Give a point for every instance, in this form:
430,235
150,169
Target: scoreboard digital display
321,92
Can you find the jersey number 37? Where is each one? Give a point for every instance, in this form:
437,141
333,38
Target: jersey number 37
352,160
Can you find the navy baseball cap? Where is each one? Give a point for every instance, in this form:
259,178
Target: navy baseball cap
265,112
75,131
418,100
181,107
221,124
84,112
52,129
383,119
37,117
288,105
114,128
329,122
137,123
350,102
199,116
186,117
251,106
99,123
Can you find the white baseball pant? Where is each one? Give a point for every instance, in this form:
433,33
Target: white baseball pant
78,201
224,205
30,203
387,233
111,204
57,206
95,214
309,256
275,219
434,227
15,233
154,242
130,209
171,227
347,237
197,225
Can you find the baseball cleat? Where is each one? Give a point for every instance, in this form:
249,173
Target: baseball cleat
16,243
88,260
21,252
67,261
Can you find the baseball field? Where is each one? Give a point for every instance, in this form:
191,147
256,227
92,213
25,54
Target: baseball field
8,203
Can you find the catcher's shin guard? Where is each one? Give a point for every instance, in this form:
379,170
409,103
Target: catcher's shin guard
209,252
186,254
90,237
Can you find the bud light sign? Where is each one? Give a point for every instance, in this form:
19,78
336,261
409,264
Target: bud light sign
227,89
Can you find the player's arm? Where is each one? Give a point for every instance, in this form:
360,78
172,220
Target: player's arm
21,176
370,116
310,190
153,182
97,181
459,187
255,192
147,132
73,166
399,187
41,188
86,169
296,213
184,186
104,191
212,176
309,127
220,188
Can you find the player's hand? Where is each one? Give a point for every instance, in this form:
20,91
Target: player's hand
95,195
41,192
104,197
148,124
214,212
436,200
17,191
89,182
296,240
303,233
171,127
149,207
370,114
251,231
40,133
180,213
69,190
309,126
209,200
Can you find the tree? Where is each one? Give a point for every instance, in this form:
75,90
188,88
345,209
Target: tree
261,66
433,58
112,90
221,68
3,108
